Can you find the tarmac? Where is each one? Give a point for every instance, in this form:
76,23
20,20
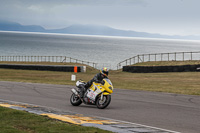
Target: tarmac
84,120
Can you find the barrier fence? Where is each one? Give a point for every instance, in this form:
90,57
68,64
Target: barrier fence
62,59
176,56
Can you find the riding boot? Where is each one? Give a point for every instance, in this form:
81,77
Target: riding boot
82,91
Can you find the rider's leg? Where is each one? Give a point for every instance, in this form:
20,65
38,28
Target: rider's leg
82,90
88,84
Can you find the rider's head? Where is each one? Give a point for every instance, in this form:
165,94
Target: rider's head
104,72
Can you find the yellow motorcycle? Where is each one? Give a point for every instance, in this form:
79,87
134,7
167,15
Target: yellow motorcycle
98,94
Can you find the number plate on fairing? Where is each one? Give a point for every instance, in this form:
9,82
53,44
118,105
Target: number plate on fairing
92,94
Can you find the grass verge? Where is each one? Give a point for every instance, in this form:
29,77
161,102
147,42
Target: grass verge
176,82
15,121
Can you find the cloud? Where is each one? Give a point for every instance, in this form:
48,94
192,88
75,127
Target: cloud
140,15
36,8
73,2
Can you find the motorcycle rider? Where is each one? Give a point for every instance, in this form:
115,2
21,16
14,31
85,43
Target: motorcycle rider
98,78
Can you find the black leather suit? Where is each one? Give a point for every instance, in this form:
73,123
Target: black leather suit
98,78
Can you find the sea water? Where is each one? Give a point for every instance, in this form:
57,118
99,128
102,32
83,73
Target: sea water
104,50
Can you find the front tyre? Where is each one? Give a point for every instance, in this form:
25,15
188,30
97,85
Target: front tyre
75,100
101,104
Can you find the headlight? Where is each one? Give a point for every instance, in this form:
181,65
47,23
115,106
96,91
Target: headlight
110,88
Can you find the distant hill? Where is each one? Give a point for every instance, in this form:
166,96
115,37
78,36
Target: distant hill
87,30
12,26
100,30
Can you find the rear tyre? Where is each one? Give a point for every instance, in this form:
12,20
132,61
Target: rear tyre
75,100
101,104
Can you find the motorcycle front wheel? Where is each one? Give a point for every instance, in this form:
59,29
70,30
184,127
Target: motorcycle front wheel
101,104
75,100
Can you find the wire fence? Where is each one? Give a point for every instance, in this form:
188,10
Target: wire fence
62,59
176,56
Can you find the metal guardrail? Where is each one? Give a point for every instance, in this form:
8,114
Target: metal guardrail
176,56
62,59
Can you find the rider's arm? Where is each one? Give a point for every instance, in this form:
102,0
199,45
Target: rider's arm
97,78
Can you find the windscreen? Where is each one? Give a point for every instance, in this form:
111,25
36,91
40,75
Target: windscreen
108,80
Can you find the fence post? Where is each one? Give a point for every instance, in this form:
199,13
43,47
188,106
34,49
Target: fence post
175,56
183,56
168,56
143,58
149,57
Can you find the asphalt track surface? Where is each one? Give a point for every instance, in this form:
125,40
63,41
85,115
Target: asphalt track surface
175,112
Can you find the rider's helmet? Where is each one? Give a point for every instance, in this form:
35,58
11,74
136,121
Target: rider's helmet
104,71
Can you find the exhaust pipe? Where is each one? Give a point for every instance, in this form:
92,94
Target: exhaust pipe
74,91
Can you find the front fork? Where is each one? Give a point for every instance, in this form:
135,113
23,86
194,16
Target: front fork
104,93
101,96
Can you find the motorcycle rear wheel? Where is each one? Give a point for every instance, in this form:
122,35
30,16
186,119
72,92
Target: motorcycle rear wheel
75,100
101,104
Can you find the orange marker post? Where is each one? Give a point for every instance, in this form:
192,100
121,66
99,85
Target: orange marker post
75,69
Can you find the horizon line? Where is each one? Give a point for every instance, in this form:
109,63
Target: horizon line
107,36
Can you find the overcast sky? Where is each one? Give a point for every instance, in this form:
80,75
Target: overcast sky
170,17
